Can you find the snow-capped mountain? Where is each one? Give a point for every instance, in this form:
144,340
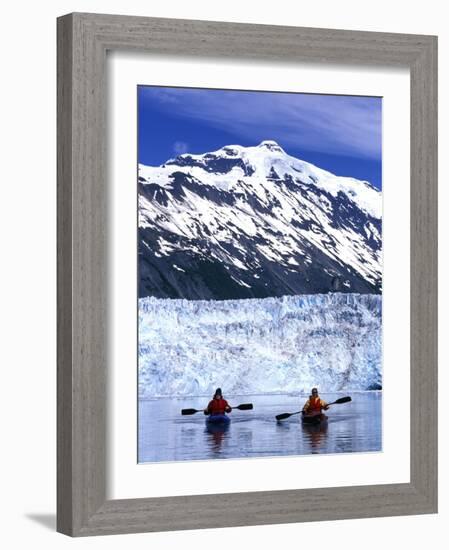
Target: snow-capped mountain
253,222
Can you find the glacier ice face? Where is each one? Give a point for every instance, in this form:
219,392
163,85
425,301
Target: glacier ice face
254,346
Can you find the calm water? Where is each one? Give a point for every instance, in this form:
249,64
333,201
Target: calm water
165,435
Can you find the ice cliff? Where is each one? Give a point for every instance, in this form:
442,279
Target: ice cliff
254,346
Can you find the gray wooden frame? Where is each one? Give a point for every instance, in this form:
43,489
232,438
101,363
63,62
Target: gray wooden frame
83,40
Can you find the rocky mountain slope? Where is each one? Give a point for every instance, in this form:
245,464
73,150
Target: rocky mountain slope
255,222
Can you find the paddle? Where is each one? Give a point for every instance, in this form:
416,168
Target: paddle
242,407
283,416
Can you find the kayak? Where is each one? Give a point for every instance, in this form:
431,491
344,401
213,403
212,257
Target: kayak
218,419
313,419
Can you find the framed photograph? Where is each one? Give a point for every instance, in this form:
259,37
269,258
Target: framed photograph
247,281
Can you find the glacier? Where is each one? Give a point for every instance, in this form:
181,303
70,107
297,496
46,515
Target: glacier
260,346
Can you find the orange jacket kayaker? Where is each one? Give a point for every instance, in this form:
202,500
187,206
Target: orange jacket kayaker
314,404
218,405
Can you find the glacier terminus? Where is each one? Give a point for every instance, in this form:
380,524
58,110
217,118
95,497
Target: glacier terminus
260,346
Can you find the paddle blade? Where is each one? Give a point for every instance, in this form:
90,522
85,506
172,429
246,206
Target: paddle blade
245,407
283,416
343,400
188,411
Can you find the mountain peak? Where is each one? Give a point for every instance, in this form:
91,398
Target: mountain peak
252,222
271,145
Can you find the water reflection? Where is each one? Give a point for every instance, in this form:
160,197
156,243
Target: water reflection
315,435
215,435
165,435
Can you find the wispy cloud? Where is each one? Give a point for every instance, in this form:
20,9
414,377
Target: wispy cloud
180,147
345,125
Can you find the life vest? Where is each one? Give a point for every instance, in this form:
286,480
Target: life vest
315,404
217,406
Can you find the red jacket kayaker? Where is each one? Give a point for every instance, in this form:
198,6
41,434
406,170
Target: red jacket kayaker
218,405
314,405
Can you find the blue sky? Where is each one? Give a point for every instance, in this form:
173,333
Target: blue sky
342,134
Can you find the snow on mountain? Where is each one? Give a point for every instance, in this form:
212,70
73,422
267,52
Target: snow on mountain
256,346
252,222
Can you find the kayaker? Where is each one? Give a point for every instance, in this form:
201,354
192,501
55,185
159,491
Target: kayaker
314,405
218,405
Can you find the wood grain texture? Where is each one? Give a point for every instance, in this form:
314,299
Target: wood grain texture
64,278
83,40
423,288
